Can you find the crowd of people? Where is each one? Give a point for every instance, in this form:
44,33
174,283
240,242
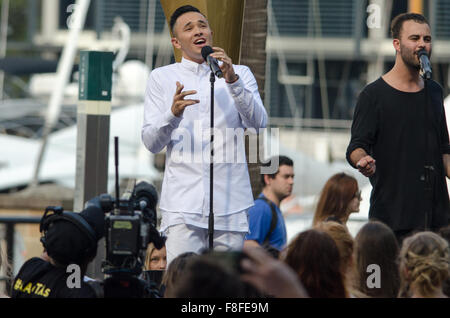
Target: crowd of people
324,261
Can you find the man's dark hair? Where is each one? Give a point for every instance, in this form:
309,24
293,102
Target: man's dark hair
180,11
282,160
397,22
205,277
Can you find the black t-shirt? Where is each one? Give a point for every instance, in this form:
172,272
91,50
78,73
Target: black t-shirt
40,279
390,125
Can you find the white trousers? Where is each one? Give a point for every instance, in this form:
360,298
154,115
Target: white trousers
183,238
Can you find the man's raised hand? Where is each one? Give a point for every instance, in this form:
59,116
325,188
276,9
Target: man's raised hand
179,103
366,165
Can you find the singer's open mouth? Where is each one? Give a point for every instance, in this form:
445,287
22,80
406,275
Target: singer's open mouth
200,42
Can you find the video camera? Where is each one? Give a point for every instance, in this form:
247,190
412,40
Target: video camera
130,225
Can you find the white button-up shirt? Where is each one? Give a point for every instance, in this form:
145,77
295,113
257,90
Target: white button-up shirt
186,184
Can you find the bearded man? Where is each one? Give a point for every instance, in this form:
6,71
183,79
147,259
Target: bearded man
400,139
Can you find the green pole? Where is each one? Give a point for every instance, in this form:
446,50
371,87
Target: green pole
93,123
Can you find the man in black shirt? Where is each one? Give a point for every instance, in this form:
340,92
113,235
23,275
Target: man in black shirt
70,244
400,139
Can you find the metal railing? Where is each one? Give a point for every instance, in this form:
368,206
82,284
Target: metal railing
10,223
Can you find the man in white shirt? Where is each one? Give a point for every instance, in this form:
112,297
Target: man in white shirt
183,125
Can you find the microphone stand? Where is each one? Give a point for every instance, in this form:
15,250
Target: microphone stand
212,79
428,167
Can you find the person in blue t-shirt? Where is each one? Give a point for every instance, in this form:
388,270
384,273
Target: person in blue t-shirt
266,222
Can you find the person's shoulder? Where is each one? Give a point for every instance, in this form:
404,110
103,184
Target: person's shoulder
375,86
372,90
163,70
35,261
260,205
35,266
435,86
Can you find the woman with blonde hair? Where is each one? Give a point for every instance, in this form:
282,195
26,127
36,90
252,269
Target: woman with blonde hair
424,265
344,242
155,259
5,268
339,198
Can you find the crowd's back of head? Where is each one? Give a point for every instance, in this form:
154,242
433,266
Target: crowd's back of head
424,265
174,272
212,276
376,244
344,242
314,256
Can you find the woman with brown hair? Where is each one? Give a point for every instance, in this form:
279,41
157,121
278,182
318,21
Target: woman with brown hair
339,198
314,256
376,244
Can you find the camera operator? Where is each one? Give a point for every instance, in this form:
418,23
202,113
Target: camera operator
70,244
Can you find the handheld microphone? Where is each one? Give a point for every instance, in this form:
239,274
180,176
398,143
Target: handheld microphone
212,62
425,65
